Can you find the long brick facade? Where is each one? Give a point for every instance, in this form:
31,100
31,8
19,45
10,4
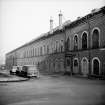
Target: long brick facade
77,48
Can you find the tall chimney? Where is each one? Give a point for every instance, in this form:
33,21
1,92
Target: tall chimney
51,24
60,18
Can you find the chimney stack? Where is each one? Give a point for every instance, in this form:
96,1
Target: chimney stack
60,18
51,24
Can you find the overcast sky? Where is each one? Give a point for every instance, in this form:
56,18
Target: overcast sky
24,20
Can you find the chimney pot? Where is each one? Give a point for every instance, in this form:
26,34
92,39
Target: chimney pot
60,18
51,24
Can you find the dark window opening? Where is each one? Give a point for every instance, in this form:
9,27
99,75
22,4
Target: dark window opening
95,39
75,43
96,67
84,41
68,44
68,62
75,62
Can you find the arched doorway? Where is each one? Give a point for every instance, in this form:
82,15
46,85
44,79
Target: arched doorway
96,66
95,38
85,69
75,66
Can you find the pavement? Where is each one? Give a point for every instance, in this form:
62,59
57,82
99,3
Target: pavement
6,77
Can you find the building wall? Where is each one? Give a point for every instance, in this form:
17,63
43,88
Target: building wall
47,53
56,53
95,22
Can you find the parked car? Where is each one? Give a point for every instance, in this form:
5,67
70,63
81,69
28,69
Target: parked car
19,69
13,70
30,71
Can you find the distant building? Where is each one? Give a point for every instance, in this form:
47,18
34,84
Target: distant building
76,47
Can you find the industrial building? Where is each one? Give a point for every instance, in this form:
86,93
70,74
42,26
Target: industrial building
76,47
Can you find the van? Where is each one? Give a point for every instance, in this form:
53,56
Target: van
30,71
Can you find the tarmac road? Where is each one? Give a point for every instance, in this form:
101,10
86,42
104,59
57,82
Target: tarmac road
53,90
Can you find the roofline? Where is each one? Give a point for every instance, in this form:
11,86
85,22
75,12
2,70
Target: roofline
58,29
83,19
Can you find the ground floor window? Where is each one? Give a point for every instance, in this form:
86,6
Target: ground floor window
96,66
84,66
68,62
75,66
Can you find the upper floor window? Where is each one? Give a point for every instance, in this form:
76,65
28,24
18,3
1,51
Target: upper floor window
44,49
24,54
62,46
31,52
95,38
47,49
40,50
56,46
75,42
27,54
68,62
84,41
34,51
52,47
68,44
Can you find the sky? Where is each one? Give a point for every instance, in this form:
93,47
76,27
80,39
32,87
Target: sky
24,20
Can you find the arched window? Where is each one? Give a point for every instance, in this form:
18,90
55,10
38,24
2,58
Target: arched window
76,66
68,62
62,46
40,50
68,44
84,65
84,41
56,46
75,62
47,49
33,51
96,66
75,42
95,38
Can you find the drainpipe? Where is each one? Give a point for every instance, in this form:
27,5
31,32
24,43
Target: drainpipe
89,46
64,47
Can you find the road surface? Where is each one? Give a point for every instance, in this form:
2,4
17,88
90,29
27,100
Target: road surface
53,90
